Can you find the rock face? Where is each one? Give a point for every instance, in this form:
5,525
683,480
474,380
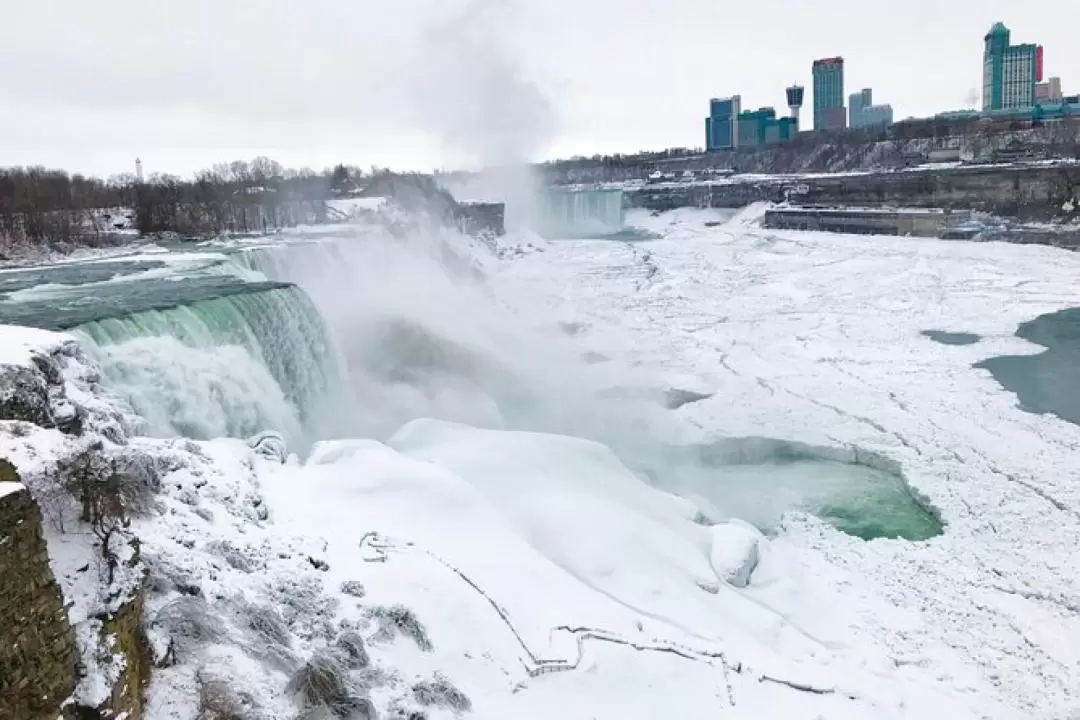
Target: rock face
1029,193
24,396
38,652
127,698
36,395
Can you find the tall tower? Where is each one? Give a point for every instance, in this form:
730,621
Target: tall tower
138,170
1010,72
795,95
829,111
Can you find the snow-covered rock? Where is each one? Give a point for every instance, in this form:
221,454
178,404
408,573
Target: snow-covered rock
734,552
270,444
31,384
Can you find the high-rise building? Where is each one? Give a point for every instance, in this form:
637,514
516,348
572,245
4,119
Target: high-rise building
829,112
1010,72
863,112
762,127
721,127
1049,91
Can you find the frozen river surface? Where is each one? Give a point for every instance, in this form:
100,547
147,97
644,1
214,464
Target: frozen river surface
819,339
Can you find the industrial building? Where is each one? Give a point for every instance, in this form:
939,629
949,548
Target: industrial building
862,112
829,111
1010,72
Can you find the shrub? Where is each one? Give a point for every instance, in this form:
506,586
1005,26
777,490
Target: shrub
350,647
217,702
321,686
189,619
440,692
396,620
353,588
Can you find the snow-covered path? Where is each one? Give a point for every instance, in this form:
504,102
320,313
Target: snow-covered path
817,338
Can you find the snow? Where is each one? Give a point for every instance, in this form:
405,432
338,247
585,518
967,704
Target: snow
18,345
734,553
355,206
516,535
8,488
553,582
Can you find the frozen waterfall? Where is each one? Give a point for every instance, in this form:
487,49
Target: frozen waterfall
227,366
579,213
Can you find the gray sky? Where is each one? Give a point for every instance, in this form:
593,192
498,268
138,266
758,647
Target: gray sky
442,83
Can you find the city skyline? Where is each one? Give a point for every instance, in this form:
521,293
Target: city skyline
1014,80
420,84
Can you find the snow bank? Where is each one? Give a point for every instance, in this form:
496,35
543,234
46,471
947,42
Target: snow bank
7,488
576,504
19,345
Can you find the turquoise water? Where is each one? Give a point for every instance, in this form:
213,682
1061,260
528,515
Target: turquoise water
758,480
1048,382
17,279
952,338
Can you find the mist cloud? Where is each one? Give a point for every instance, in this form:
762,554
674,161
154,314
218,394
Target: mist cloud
469,90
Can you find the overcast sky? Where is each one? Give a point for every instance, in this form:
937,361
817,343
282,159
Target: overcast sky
442,83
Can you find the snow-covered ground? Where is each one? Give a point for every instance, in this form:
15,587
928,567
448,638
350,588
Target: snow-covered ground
539,577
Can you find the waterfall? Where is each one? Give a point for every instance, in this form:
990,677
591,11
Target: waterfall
426,328
580,213
232,365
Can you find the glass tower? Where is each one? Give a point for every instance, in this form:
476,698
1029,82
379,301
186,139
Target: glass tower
1010,72
829,112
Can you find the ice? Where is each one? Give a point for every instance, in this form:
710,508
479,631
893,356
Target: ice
817,338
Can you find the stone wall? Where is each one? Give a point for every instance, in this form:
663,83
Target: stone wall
916,223
38,654
127,698
1027,192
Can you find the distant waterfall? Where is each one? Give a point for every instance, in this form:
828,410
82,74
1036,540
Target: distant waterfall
233,365
580,213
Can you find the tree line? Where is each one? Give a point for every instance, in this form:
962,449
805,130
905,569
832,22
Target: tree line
42,207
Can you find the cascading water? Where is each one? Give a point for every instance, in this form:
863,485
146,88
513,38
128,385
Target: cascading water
580,213
228,366
423,333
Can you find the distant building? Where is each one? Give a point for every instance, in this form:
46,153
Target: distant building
1010,72
762,127
862,112
1049,91
721,127
829,112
